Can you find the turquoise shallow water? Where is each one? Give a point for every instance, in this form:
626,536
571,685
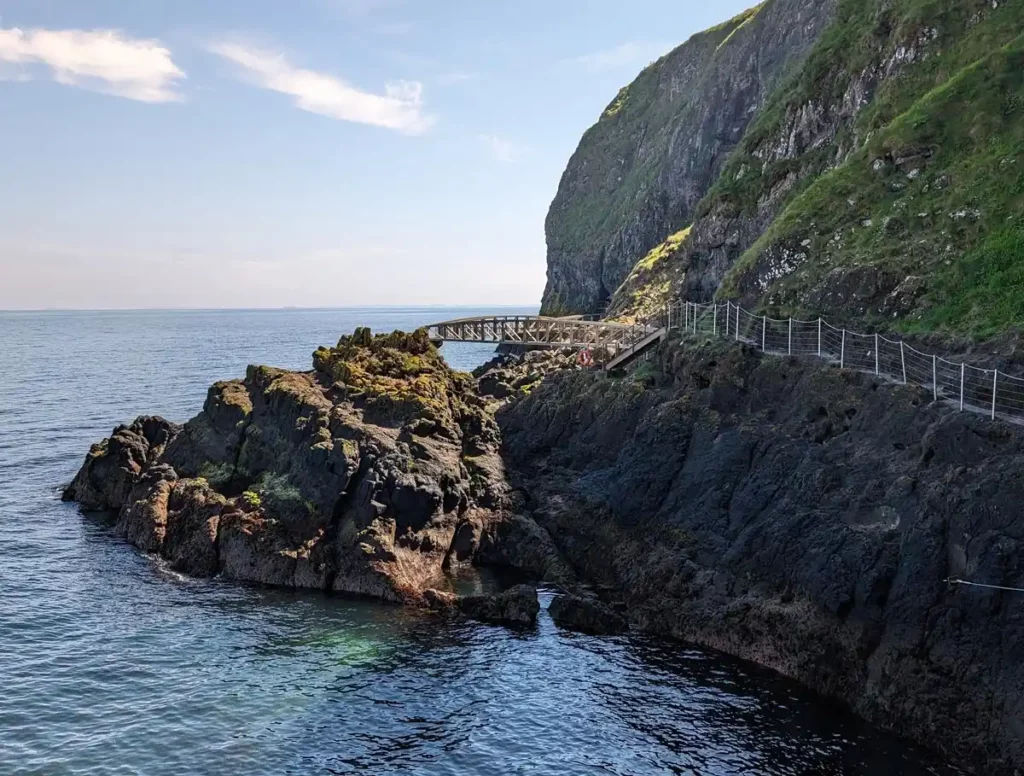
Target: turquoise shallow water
110,664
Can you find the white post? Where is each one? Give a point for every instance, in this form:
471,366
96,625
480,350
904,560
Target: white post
764,331
842,352
714,326
737,323
876,354
995,382
935,378
963,369
694,317
668,316
819,338
903,361
791,336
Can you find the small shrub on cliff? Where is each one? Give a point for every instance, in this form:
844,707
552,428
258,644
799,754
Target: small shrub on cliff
281,498
399,375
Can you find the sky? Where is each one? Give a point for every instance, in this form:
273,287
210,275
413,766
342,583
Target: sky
311,153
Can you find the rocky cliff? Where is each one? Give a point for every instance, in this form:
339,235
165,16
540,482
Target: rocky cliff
800,516
879,178
640,172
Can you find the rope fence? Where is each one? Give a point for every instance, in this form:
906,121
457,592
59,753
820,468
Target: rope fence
987,391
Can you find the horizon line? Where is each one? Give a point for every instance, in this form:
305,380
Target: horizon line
280,308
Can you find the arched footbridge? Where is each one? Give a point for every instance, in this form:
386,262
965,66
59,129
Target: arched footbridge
621,339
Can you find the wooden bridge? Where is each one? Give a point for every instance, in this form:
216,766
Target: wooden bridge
622,339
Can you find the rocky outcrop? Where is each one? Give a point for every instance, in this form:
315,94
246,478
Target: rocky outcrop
371,474
588,615
802,517
640,172
517,607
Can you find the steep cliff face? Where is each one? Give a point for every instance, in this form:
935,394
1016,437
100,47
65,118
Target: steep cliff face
803,517
881,178
640,171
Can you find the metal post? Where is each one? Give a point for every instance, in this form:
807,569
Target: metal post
903,362
876,354
764,331
694,317
995,382
935,378
737,323
963,370
668,316
819,338
842,352
791,336
714,327
728,316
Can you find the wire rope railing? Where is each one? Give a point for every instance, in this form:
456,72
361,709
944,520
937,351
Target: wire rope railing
988,391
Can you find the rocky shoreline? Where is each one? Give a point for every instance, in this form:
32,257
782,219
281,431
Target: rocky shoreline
792,514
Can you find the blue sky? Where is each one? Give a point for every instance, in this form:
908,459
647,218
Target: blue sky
259,153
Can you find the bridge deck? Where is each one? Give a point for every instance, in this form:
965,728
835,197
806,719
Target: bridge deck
539,330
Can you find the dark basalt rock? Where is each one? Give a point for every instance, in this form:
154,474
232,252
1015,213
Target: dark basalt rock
803,517
356,477
517,606
587,615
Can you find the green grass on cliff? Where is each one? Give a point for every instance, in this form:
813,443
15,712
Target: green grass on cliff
936,193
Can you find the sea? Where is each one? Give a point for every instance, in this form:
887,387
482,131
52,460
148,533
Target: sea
112,664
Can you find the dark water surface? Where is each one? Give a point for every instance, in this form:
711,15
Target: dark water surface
110,664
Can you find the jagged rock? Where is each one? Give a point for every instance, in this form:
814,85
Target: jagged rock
586,614
111,468
143,518
355,477
193,517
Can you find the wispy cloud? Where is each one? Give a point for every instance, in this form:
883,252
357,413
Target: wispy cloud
625,55
501,149
399,108
100,60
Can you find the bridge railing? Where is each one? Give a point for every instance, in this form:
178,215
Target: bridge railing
988,391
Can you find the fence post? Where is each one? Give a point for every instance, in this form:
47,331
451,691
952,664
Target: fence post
714,326
935,378
876,354
819,337
903,362
995,382
963,369
737,323
791,336
842,352
764,332
668,316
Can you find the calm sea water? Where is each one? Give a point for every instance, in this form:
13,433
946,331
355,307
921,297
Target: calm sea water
109,664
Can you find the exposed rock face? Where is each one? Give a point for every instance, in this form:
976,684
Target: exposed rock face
879,179
804,518
639,173
369,475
